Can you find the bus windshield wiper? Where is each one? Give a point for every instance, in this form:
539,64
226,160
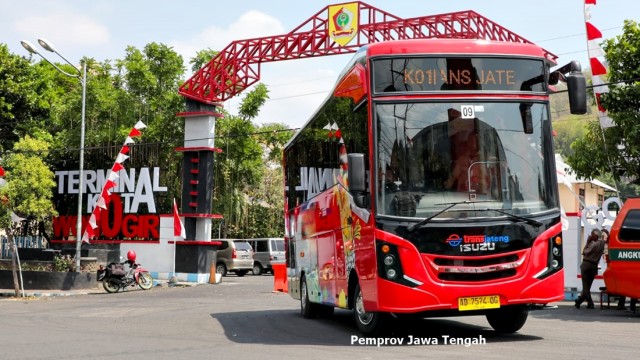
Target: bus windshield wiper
515,217
424,221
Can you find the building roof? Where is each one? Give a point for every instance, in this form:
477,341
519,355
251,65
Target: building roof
567,177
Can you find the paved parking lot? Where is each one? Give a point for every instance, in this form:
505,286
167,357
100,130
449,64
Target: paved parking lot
242,318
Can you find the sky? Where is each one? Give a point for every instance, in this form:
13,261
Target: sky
102,29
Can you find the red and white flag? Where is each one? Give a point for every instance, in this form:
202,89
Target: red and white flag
598,64
178,227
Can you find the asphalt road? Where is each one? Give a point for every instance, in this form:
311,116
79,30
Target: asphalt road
242,318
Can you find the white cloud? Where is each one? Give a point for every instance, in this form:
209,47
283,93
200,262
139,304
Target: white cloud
64,29
296,87
251,24
296,90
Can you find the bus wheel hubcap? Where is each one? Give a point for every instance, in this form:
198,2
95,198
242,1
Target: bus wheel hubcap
364,317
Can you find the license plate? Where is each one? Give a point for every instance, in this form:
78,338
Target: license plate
479,302
245,256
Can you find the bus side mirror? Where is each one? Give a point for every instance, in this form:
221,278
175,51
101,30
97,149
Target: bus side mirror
576,86
357,177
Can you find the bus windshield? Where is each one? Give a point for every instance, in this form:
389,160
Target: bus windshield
482,155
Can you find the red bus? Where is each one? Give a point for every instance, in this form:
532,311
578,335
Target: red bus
425,185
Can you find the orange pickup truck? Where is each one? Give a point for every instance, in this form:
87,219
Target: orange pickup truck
622,276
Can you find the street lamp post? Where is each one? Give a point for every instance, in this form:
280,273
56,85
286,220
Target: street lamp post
82,76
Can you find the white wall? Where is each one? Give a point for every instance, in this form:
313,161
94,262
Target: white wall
571,247
155,257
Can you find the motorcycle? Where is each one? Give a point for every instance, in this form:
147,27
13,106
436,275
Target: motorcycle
114,277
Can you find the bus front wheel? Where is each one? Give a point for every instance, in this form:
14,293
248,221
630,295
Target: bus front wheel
508,320
369,323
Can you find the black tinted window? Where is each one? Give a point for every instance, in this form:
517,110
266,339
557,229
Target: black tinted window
261,246
630,230
419,74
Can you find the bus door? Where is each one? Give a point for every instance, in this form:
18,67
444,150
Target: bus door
326,253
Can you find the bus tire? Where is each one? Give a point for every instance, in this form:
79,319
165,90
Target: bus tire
508,319
369,323
308,310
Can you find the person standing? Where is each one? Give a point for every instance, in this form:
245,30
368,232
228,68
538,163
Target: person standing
591,255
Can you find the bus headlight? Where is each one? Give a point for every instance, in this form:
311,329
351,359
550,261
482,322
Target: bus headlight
391,274
554,257
389,263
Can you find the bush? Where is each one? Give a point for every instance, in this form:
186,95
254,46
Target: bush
64,263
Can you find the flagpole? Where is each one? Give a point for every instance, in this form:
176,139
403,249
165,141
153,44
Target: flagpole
600,69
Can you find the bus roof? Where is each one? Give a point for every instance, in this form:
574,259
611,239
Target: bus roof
455,46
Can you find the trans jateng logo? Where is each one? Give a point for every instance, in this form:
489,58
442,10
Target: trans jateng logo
469,243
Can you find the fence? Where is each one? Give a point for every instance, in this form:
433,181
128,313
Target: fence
29,242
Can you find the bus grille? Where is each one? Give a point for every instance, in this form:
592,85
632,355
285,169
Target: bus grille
474,269
475,262
477,277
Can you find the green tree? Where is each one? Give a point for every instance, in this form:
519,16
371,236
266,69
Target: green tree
28,191
615,148
202,57
239,166
24,98
274,137
265,210
141,86
151,79
568,130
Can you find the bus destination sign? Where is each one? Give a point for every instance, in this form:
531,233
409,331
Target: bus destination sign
427,74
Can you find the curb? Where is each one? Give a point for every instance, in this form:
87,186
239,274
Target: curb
10,293
45,293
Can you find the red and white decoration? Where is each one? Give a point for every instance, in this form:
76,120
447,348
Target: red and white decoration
178,226
103,201
334,132
598,64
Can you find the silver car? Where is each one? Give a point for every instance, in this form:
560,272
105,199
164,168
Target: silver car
266,252
234,256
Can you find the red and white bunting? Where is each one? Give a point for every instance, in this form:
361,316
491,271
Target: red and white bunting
103,201
139,125
121,158
597,62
